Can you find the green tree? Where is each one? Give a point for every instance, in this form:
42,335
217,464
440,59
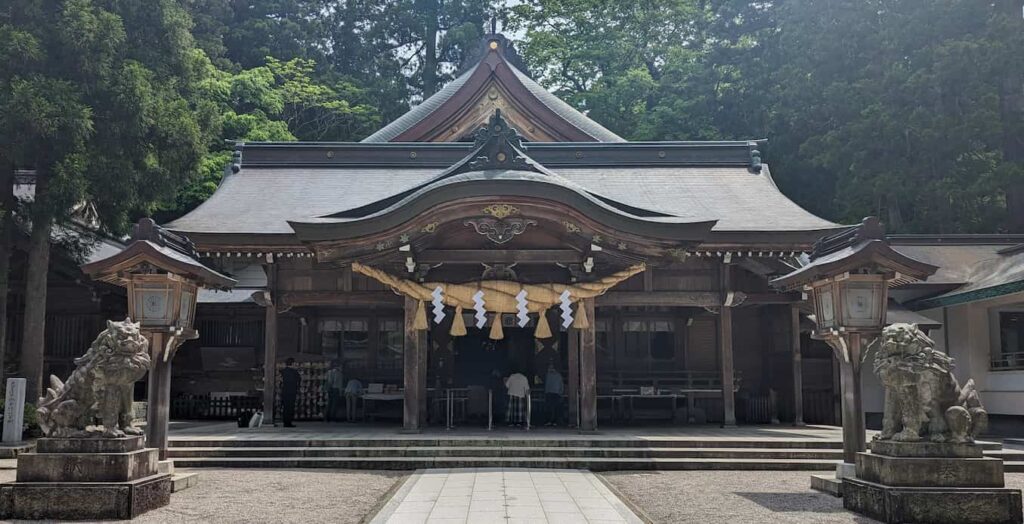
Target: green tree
98,98
902,115
911,110
671,70
276,102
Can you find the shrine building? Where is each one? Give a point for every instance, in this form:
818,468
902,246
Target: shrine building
495,228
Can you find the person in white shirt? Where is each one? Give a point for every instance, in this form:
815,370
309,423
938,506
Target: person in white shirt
518,387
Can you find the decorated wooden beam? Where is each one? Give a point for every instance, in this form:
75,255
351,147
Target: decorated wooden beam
492,256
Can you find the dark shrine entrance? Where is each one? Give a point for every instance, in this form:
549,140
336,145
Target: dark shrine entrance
471,370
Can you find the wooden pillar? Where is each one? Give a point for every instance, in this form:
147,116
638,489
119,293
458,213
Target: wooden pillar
423,364
270,345
574,375
837,395
415,387
158,401
588,371
854,439
725,349
798,377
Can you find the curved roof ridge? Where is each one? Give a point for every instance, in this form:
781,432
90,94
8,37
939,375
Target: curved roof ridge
417,113
574,116
498,147
462,90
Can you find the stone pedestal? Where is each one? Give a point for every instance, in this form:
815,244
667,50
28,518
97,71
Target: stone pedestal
85,479
925,482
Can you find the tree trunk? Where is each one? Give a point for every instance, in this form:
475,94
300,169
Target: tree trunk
36,272
6,246
1011,109
430,30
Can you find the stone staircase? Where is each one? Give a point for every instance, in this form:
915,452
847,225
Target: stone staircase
594,453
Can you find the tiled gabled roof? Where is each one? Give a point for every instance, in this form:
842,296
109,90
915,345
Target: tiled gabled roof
436,114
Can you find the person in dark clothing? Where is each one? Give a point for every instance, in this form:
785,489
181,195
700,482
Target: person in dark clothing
289,392
497,387
554,388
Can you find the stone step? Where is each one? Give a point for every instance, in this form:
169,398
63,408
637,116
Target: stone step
515,442
1013,466
505,451
1006,454
183,481
592,463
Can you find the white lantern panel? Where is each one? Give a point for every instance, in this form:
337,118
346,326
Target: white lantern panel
826,307
862,304
188,300
153,305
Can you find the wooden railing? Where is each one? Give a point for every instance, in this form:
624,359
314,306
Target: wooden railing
203,407
672,380
1008,361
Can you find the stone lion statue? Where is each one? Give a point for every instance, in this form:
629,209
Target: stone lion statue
100,388
922,397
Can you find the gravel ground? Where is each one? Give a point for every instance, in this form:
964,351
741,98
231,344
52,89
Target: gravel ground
273,495
737,497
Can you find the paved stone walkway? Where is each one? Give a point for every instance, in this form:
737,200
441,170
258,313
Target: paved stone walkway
504,495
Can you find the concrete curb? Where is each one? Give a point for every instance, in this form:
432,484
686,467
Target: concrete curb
390,501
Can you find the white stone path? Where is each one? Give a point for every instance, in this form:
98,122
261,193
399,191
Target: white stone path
504,495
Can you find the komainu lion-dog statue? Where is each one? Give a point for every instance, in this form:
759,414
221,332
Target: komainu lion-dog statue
922,397
100,388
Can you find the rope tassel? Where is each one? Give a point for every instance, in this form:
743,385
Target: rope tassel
420,323
496,331
458,324
543,329
581,322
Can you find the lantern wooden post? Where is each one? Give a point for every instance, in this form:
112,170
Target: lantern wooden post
158,400
854,439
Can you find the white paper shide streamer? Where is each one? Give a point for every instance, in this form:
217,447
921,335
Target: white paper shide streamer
522,307
438,303
566,307
481,311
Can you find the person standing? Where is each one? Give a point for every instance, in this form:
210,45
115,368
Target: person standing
497,387
554,388
335,385
289,392
353,390
518,388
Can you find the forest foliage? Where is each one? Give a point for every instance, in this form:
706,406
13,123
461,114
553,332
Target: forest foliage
909,109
